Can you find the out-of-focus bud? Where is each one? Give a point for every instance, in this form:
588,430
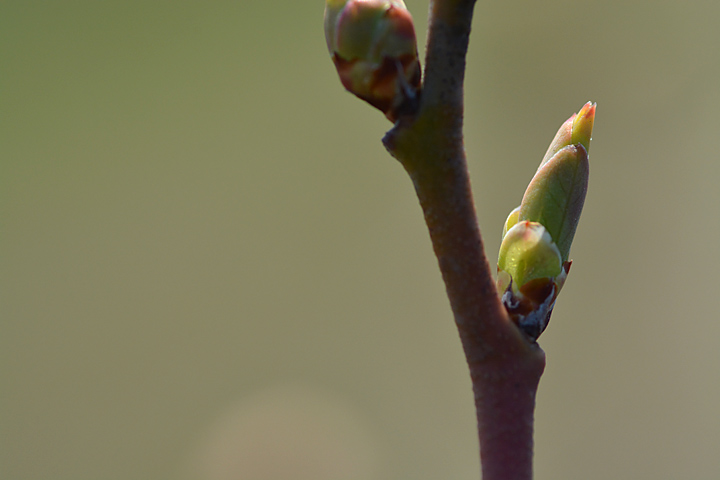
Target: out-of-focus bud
373,46
533,262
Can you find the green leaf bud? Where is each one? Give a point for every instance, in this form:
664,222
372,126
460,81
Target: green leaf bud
374,48
533,261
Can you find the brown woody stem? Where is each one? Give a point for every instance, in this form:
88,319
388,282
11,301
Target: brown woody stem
505,366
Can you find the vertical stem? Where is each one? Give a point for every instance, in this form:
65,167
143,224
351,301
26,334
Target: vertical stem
505,391
505,367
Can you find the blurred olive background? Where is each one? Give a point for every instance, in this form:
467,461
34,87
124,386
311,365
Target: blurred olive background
211,269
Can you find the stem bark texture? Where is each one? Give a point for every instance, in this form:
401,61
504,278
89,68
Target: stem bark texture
505,366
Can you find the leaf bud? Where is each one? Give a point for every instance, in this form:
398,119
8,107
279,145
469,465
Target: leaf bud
533,261
374,48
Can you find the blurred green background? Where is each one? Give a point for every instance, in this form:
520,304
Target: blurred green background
211,269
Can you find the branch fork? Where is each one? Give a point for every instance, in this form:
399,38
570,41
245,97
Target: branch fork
498,337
